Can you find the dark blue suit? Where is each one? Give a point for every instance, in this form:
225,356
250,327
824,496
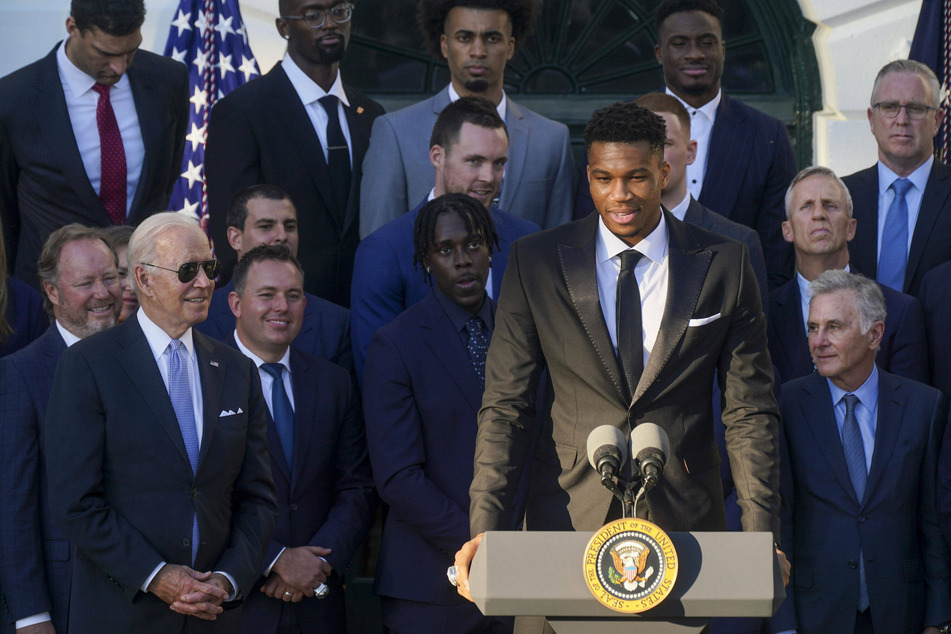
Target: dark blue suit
35,557
904,349
421,430
385,282
935,298
326,500
25,314
931,239
325,332
895,526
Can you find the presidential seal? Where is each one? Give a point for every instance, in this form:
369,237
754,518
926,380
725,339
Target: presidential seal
630,565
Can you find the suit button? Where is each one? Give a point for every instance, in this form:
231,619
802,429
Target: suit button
862,520
194,493
186,542
853,564
293,506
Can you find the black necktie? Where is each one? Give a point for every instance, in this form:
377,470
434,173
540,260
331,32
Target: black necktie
338,155
630,346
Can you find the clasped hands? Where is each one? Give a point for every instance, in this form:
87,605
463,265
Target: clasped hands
192,593
297,572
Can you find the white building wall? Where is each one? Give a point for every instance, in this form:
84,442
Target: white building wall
854,38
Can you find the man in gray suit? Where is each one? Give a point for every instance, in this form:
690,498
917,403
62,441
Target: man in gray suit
477,39
631,311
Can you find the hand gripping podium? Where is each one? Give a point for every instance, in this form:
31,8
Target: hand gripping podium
542,574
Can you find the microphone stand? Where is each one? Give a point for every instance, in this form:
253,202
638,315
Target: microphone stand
624,490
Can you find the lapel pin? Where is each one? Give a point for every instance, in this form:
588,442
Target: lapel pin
214,364
359,109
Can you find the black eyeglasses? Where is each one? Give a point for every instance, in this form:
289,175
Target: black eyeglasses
188,271
316,18
890,109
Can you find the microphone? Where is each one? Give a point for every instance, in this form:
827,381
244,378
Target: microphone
650,446
607,451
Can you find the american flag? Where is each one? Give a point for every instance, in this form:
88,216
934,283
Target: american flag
932,47
210,38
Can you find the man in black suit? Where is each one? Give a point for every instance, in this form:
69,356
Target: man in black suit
820,224
88,134
318,451
298,127
264,214
157,454
625,345
858,479
935,299
81,285
903,202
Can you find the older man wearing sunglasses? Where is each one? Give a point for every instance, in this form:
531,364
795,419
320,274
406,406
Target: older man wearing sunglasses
157,453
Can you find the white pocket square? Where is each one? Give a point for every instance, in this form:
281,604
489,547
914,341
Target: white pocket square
229,412
702,320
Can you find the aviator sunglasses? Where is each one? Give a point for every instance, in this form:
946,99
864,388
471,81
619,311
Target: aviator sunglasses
188,271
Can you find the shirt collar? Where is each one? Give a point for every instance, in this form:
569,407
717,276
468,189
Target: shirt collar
459,316
709,109
653,245
867,394
804,291
258,361
67,336
307,89
78,81
159,339
918,178
502,108
680,209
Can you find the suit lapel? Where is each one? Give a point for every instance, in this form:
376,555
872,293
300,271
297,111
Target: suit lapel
579,268
211,371
891,405
443,342
863,250
932,203
359,126
148,104
795,349
306,393
819,416
518,153
727,158
60,140
686,272
135,357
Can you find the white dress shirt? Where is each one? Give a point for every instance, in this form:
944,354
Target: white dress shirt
701,125
501,108
81,103
310,93
680,209
651,274
919,180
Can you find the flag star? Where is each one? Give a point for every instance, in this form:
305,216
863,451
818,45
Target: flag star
190,209
224,65
201,60
224,27
182,22
193,173
248,67
196,137
203,23
243,32
199,99
178,56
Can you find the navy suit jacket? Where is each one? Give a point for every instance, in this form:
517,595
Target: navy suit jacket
261,133
385,282
931,240
421,430
904,349
25,314
122,488
895,527
43,184
935,298
325,332
327,499
35,556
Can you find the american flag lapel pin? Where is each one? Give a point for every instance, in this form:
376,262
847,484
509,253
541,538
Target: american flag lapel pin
214,364
359,109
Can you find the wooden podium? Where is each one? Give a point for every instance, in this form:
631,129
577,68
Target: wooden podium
542,574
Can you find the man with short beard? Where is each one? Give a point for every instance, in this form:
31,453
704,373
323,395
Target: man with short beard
300,128
79,276
477,38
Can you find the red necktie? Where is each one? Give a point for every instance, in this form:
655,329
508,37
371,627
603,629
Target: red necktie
112,183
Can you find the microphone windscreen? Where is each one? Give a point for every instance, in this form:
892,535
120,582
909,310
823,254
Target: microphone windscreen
649,436
606,435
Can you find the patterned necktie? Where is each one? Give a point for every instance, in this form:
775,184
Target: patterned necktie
338,155
112,176
630,341
179,390
894,256
855,459
478,346
281,410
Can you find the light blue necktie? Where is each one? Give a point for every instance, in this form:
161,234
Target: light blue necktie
855,459
894,256
281,410
179,390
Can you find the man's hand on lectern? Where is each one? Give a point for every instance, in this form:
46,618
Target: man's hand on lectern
463,559
784,565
